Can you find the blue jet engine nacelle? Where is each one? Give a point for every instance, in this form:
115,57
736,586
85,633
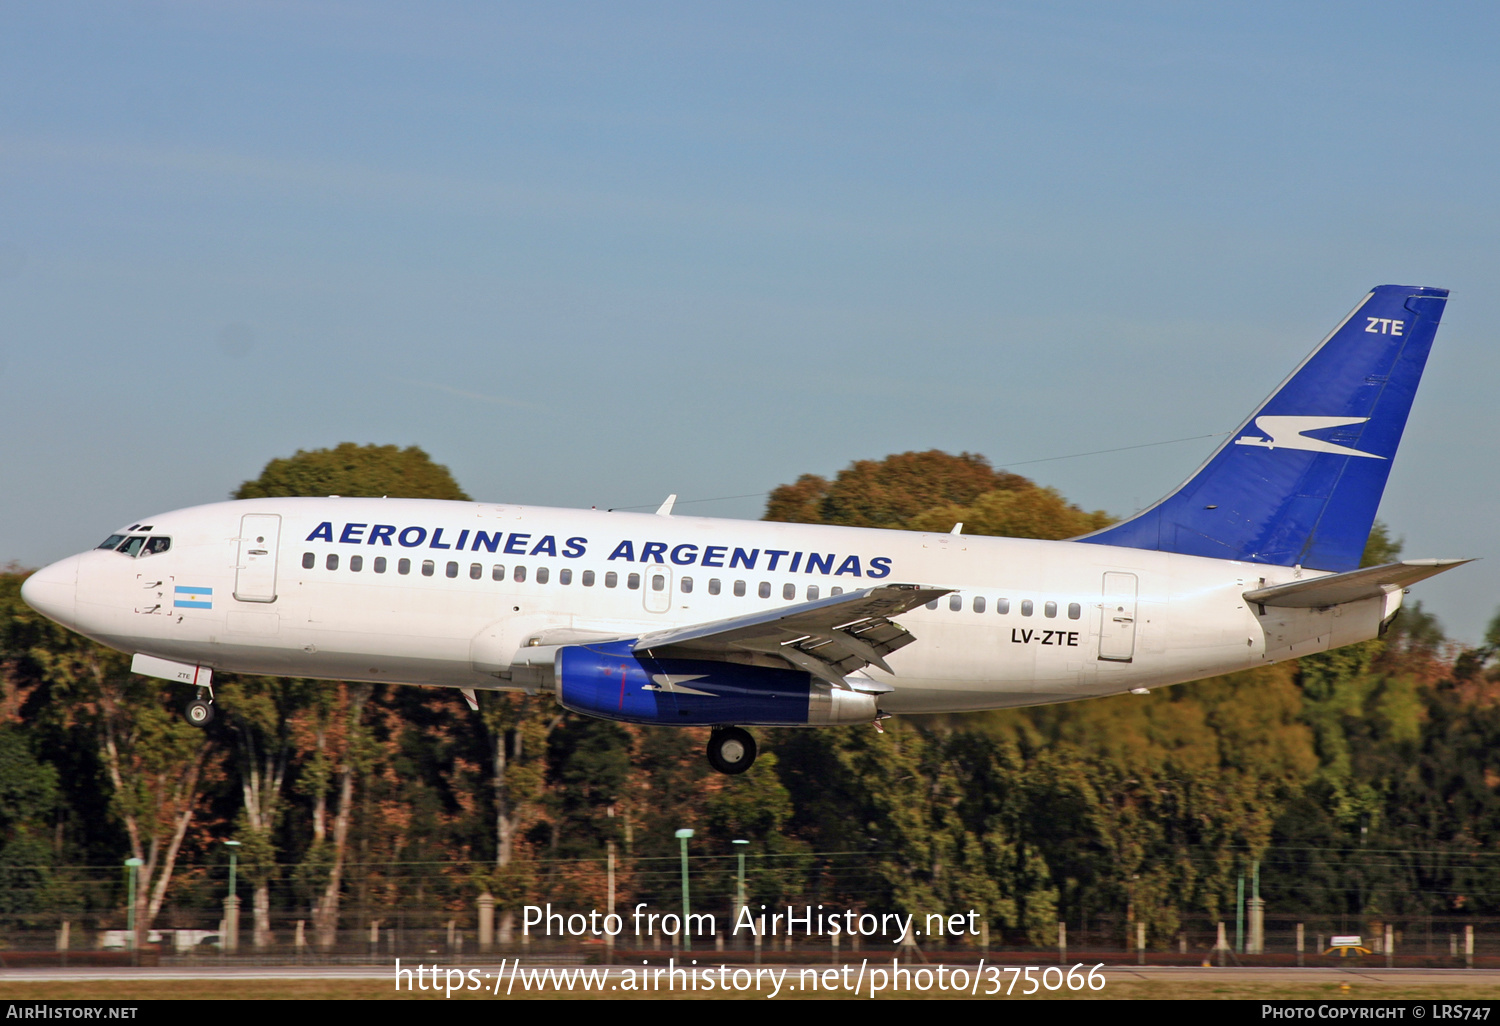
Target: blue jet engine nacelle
614,682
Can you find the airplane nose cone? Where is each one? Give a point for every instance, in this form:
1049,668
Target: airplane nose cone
53,591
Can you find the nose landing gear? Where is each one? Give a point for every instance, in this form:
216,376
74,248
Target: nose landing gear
200,713
731,750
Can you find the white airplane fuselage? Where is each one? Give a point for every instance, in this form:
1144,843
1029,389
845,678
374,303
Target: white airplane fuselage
292,587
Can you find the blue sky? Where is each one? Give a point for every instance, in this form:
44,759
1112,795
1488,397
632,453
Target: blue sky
589,254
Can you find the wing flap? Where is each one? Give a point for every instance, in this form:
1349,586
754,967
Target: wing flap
829,638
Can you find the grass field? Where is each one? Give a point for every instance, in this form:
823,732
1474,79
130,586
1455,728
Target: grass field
373,990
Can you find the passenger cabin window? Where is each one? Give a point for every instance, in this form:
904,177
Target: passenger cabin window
476,571
956,603
788,591
332,562
452,569
658,582
520,575
428,566
309,560
812,592
356,563
611,579
687,585
1074,610
1050,609
1026,607
633,582
1002,606
765,589
497,572
739,589
542,573
380,564
713,585
836,591
565,576
932,604
588,578
403,566
112,541
978,603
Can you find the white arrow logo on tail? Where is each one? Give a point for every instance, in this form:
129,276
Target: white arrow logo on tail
1291,433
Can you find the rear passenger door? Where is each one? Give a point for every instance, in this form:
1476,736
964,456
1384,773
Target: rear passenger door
1117,623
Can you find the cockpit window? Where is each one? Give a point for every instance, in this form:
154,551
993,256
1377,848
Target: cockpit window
155,545
112,541
132,545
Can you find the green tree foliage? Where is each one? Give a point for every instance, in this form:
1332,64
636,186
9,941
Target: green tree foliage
29,797
1380,547
349,469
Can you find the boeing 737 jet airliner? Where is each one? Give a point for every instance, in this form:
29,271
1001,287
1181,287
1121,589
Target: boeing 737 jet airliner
663,619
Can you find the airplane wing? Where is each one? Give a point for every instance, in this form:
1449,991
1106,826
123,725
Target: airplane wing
829,638
1336,589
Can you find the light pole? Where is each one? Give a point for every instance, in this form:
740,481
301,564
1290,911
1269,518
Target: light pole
134,866
739,891
234,849
682,839
231,905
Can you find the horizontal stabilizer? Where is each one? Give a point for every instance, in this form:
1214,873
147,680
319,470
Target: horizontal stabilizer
1337,589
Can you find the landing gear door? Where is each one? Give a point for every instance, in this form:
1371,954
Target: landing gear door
1117,626
255,567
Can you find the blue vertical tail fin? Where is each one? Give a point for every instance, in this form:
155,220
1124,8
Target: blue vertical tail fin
1299,483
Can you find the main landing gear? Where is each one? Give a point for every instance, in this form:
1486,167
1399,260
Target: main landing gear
731,750
200,713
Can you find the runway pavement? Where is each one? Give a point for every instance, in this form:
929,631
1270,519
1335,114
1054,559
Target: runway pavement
1165,974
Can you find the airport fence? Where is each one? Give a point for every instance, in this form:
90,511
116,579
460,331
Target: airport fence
437,910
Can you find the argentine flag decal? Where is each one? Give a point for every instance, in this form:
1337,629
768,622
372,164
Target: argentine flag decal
193,598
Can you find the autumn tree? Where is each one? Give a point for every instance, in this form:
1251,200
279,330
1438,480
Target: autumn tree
1018,513
157,767
932,491
320,724
889,492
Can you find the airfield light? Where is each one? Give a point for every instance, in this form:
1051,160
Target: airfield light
682,839
740,890
134,865
234,847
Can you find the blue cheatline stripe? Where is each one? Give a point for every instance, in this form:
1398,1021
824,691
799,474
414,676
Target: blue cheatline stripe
179,603
193,591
